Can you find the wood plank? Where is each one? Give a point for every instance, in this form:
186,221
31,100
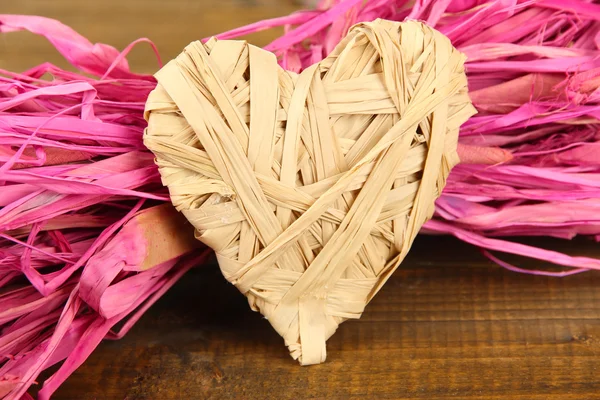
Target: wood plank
447,325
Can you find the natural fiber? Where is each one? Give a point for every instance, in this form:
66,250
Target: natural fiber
311,187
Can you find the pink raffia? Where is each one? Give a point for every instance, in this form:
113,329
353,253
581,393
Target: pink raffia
74,176
534,75
74,172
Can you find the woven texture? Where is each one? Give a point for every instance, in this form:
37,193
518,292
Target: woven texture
310,187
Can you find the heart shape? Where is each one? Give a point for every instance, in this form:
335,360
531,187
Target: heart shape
310,187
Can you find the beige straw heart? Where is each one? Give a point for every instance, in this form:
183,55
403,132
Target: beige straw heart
310,187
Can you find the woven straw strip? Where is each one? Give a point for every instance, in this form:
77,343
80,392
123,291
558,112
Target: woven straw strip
310,188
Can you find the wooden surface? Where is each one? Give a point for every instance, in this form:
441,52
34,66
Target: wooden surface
170,24
449,324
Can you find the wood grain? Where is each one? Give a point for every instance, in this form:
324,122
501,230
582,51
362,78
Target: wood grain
448,325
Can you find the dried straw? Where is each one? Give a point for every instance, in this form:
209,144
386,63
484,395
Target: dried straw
310,187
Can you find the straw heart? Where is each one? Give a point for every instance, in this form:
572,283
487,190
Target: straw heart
310,187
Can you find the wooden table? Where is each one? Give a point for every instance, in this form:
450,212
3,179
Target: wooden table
449,324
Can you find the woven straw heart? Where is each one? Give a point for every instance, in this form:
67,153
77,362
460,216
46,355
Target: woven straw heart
310,187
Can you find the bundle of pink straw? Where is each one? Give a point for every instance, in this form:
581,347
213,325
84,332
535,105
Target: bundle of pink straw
74,172
75,179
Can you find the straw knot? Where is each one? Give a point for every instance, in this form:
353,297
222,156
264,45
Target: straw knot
310,187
